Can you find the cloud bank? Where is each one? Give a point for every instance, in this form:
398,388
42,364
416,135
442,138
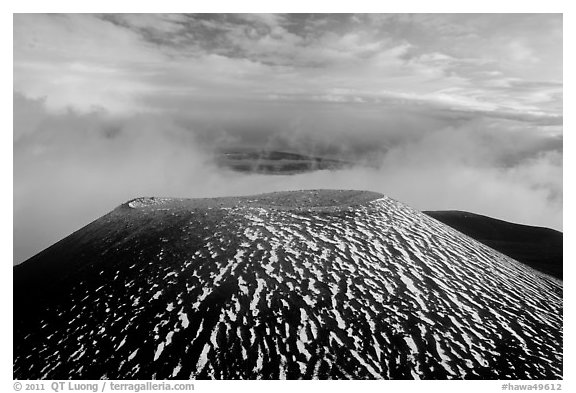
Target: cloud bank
71,168
439,111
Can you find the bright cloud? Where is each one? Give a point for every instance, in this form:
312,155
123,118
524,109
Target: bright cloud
442,111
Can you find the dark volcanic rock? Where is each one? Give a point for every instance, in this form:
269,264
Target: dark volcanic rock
540,248
311,284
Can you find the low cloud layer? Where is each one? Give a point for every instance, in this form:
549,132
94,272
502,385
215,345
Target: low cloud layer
440,111
71,168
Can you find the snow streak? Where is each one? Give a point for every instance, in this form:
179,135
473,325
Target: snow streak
376,290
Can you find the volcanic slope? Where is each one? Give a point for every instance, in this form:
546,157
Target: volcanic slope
309,284
540,248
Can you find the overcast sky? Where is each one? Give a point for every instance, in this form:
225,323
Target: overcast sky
449,111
